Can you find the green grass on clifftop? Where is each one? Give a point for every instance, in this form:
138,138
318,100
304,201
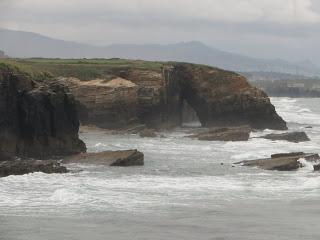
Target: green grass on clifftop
87,69
84,69
24,69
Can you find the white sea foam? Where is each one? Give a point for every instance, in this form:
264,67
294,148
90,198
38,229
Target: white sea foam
178,171
294,111
306,164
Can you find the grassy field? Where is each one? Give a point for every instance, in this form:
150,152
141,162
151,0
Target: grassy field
87,69
83,69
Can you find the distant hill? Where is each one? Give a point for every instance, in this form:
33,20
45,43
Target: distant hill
274,76
27,44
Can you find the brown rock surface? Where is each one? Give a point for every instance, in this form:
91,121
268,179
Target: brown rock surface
109,158
295,137
224,134
20,167
157,98
148,133
105,103
282,162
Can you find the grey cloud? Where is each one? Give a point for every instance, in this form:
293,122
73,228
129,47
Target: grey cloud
127,21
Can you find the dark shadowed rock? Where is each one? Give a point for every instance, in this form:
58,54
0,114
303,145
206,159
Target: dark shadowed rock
282,161
316,167
109,158
38,118
295,137
148,133
20,167
224,134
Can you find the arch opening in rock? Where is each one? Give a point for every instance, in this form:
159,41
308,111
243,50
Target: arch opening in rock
189,117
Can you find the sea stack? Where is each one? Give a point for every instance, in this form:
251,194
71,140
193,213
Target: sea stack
38,117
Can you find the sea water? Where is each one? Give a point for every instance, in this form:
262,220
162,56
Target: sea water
188,189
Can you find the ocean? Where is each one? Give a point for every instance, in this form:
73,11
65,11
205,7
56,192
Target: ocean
188,189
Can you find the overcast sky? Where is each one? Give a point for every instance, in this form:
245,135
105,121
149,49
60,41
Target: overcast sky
287,29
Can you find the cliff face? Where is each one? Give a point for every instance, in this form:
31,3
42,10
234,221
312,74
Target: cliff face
156,98
223,98
37,119
107,104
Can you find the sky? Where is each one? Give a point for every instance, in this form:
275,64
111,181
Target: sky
288,29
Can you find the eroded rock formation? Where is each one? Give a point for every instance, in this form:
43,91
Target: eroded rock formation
37,119
223,98
283,161
224,134
20,167
295,137
156,98
105,103
109,158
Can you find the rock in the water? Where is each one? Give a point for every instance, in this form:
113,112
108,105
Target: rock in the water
148,133
156,97
20,167
316,167
282,161
295,137
224,134
38,118
109,158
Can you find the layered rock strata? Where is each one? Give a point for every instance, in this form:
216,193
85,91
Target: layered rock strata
224,134
109,158
283,161
38,119
295,137
157,98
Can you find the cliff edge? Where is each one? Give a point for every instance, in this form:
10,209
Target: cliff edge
38,118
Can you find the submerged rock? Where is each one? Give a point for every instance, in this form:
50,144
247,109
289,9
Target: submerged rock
295,137
110,158
316,167
38,118
148,133
282,161
20,167
224,134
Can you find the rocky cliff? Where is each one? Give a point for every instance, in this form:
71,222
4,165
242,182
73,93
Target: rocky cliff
105,103
38,119
156,97
222,98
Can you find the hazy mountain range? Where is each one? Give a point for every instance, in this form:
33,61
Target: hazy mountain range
26,44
